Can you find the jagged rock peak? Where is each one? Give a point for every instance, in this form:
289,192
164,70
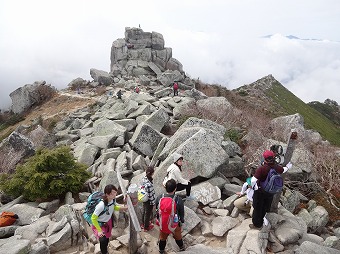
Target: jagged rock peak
264,83
141,53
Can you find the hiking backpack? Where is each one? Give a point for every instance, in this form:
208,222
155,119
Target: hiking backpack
143,195
273,183
168,218
7,218
175,86
92,202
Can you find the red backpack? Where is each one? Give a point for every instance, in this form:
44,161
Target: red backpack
175,86
7,218
168,218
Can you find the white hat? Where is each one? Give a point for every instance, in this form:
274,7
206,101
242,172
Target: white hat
177,156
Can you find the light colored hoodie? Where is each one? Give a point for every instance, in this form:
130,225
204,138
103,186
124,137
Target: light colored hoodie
175,173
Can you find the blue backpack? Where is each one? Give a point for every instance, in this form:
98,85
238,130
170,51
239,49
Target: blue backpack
273,183
92,202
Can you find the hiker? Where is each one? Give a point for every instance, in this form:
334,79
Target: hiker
102,225
119,94
136,89
175,172
244,203
262,200
170,188
148,205
175,87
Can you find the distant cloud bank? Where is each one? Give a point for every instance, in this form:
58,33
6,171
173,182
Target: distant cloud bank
308,68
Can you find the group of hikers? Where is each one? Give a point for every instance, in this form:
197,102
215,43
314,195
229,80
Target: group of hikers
254,199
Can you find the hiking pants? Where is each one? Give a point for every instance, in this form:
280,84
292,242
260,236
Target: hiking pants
177,234
262,202
242,205
147,214
104,242
186,187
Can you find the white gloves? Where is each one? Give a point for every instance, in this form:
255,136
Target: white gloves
287,167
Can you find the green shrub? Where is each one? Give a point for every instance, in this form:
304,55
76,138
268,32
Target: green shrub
243,93
234,135
47,174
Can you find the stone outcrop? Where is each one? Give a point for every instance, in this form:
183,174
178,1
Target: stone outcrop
142,53
27,96
13,150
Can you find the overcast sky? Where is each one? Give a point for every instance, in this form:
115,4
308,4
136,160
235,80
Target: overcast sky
220,42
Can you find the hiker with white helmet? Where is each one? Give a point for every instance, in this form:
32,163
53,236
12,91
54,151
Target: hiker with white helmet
175,172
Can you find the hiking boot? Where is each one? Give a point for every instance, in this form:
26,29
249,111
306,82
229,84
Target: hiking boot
182,248
252,226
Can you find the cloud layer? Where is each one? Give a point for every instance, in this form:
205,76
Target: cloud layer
220,42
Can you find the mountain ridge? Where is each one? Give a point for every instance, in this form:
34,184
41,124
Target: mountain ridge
271,98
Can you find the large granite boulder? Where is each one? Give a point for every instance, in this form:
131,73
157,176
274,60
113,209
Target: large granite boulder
25,97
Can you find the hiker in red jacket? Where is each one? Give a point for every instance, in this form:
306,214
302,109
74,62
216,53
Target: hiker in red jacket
175,86
170,188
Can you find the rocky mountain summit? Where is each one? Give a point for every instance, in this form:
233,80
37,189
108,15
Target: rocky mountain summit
146,128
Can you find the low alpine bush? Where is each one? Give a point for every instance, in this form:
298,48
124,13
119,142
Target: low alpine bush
47,174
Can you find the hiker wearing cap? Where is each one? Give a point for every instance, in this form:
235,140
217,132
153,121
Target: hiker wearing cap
262,200
175,172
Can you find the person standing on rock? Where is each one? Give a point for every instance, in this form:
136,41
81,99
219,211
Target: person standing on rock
148,205
170,188
175,172
262,200
175,87
119,94
102,224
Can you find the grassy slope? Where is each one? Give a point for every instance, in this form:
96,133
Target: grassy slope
330,111
312,118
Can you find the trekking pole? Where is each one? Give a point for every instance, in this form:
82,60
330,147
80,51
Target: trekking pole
287,157
134,223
